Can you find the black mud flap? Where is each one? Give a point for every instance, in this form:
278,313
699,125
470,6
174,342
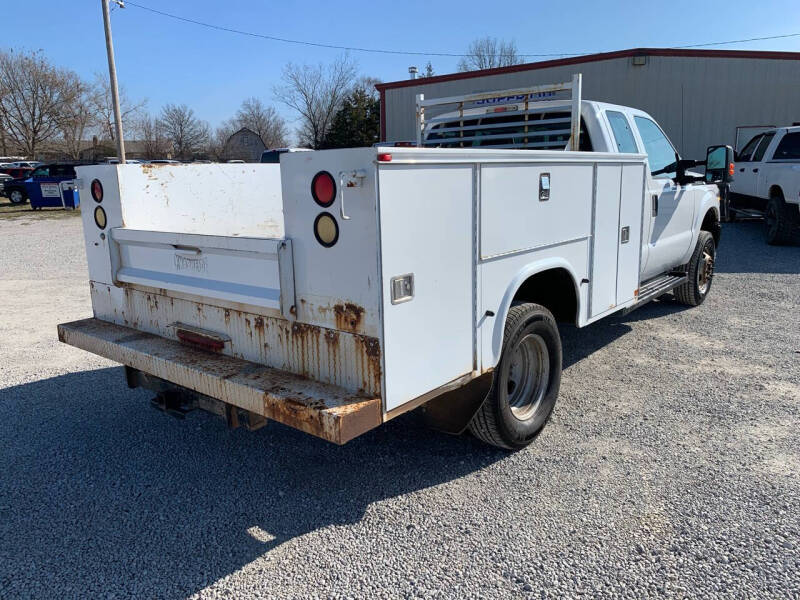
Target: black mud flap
452,411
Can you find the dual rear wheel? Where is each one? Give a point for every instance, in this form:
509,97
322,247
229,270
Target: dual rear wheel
526,380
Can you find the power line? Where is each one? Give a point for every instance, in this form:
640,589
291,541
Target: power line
408,52
755,39
307,43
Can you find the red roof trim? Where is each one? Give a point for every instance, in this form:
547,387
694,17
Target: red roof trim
560,62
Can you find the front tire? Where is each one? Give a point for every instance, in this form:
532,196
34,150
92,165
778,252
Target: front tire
779,221
17,197
526,380
700,271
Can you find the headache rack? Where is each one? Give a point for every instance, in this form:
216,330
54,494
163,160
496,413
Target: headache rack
531,118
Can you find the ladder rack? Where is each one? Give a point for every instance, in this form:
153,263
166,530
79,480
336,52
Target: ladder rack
530,98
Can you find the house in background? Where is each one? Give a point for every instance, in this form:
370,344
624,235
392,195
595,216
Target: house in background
244,145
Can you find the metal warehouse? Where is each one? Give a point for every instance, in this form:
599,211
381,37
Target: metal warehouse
700,97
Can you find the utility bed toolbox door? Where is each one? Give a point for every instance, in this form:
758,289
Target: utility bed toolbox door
255,271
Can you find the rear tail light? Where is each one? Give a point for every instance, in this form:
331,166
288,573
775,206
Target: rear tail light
731,169
100,217
326,230
323,188
97,190
385,157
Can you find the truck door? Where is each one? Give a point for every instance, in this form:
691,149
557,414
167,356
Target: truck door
671,206
757,167
744,182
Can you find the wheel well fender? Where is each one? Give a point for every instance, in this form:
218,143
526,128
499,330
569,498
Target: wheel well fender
711,224
555,270
775,190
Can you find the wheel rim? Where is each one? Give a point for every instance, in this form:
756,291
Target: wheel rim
528,376
706,271
16,197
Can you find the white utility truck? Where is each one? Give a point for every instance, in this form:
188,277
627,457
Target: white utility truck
341,288
768,182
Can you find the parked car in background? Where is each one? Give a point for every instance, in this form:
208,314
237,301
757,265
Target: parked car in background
43,187
3,179
274,155
28,164
16,172
767,182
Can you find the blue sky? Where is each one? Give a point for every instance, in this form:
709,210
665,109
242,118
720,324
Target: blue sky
165,60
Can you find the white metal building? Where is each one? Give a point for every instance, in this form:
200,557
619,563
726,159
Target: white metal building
700,97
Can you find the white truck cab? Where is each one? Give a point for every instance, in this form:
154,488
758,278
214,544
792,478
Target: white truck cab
341,288
767,182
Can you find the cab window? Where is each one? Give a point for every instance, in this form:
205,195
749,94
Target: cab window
660,153
623,135
788,148
746,152
762,147
41,172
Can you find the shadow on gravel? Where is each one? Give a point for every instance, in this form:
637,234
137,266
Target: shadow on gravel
98,491
744,249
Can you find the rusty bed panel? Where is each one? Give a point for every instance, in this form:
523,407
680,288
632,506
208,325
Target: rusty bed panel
321,409
342,358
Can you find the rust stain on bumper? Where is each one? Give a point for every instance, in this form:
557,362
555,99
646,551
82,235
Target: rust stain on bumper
321,409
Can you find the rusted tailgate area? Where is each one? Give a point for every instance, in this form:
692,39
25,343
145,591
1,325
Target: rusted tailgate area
324,410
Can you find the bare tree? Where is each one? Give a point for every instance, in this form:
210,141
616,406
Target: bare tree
154,142
79,116
488,53
130,111
264,120
33,98
316,93
185,132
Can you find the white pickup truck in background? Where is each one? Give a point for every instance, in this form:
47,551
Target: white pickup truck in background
767,182
341,288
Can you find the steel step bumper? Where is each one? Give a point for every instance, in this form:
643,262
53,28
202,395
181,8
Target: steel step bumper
321,409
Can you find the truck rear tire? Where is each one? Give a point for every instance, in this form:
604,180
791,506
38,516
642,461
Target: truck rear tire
779,221
700,271
526,380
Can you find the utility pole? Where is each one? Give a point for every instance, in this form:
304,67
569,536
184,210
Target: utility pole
112,73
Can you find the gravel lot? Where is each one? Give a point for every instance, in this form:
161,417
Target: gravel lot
671,467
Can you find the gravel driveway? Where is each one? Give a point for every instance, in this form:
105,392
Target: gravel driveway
671,466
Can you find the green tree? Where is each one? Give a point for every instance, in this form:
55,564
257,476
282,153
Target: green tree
357,123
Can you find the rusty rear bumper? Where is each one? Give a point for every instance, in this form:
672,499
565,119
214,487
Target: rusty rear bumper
324,410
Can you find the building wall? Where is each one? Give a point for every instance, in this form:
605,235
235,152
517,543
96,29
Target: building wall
698,101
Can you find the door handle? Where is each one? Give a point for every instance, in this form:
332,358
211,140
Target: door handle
755,170
655,205
741,170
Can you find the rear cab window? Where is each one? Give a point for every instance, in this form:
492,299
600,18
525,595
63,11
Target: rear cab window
788,148
623,136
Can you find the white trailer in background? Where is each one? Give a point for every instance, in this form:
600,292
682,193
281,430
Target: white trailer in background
341,288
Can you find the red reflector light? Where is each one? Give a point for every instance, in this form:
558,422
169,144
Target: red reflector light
195,338
323,188
385,157
97,190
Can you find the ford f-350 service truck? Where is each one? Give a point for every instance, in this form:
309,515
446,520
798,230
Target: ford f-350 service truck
342,288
